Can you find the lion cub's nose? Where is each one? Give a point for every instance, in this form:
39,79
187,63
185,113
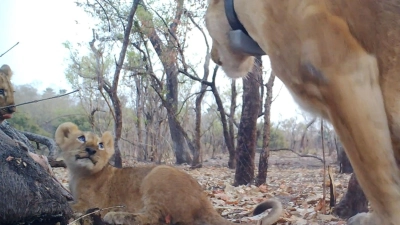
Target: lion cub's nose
90,151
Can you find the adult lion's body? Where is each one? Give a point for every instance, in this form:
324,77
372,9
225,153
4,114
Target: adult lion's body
151,194
340,59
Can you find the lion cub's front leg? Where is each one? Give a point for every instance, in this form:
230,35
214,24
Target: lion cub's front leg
130,219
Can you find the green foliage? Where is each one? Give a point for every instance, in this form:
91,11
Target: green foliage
82,120
277,139
24,122
44,117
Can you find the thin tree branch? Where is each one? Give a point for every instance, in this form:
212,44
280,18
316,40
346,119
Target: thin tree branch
108,20
35,101
194,78
9,49
119,16
301,155
280,89
125,43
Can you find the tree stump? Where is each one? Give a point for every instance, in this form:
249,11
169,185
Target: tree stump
353,202
344,162
29,195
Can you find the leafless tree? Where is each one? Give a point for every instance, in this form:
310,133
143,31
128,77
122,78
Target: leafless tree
264,154
246,140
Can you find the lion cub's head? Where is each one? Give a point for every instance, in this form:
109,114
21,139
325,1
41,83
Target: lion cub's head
6,93
84,153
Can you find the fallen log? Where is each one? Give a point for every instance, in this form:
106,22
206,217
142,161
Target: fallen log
29,195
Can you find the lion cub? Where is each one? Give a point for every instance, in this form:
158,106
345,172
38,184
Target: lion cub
151,194
6,93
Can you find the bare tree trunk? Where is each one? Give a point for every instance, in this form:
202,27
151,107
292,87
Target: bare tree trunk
221,110
303,136
264,154
117,127
232,156
246,144
143,153
168,56
112,88
206,67
344,162
196,155
353,202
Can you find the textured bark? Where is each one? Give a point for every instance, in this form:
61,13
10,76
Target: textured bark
232,154
246,141
353,202
197,142
29,193
344,162
264,154
143,154
15,134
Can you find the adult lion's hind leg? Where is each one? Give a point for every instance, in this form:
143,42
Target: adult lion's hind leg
351,97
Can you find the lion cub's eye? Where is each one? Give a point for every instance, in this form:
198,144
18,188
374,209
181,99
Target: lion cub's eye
2,92
101,146
81,138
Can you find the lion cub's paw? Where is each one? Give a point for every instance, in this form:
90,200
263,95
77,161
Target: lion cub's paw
363,219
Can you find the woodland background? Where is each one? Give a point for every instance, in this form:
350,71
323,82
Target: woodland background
166,106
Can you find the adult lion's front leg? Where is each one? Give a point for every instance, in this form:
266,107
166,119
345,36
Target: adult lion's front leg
347,79
313,52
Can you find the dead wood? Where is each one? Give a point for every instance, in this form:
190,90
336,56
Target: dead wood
29,194
298,154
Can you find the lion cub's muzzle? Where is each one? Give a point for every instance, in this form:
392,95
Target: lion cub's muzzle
87,154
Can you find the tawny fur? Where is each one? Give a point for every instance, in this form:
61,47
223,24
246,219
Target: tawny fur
150,194
339,58
7,93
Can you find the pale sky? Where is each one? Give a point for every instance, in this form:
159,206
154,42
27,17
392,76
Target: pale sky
41,26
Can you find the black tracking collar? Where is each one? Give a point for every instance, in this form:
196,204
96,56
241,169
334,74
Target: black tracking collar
232,17
239,37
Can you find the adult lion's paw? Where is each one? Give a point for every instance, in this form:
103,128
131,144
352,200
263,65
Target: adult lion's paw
364,219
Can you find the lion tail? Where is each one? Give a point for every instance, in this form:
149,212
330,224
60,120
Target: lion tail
273,216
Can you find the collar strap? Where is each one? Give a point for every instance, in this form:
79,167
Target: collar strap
232,17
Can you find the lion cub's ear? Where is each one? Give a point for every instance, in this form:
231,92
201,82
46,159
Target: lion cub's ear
64,131
6,70
108,142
